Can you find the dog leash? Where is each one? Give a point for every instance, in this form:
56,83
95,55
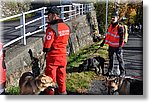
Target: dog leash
44,60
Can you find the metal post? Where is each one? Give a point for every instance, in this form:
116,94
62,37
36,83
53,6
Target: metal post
70,13
62,13
60,2
106,16
82,9
43,19
79,8
75,10
22,22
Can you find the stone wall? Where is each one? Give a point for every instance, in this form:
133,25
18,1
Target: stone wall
82,30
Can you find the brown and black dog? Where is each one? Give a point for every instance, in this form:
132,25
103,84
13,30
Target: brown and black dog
29,85
124,86
95,62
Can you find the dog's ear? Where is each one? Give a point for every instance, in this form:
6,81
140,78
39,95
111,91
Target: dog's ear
43,80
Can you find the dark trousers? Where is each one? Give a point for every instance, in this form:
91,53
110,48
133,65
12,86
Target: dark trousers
119,54
2,88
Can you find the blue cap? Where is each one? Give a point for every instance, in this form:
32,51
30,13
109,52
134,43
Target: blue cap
114,14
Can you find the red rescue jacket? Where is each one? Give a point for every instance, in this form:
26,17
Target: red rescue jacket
112,37
2,66
56,40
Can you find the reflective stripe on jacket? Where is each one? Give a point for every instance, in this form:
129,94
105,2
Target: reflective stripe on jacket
112,37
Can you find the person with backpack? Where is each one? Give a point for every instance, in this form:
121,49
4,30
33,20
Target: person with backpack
115,40
56,40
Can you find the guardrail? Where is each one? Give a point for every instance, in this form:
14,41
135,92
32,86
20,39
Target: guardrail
68,12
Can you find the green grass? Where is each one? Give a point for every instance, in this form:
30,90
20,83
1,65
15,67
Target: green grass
80,82
13,90
77,82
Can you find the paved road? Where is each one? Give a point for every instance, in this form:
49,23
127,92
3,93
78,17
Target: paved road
133,55
8,31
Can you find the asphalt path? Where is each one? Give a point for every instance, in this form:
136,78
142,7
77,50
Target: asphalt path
133,56
8,31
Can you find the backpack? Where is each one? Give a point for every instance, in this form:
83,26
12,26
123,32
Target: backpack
126,34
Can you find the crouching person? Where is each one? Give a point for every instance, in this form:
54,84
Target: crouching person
2,71
56,39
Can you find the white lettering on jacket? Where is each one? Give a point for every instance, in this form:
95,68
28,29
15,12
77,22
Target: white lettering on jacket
63,32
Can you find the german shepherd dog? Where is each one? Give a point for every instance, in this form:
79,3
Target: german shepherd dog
96,62
124,86
29,85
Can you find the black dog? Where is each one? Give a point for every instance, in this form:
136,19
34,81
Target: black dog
35,64
95,62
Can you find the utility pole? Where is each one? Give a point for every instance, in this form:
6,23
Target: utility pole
106,16
60,2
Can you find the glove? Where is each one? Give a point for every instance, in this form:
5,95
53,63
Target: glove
102,44
46,49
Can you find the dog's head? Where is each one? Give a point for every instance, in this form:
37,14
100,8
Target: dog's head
113,84
43,81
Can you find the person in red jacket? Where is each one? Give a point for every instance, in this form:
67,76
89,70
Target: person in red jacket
56,40
115,39
2,71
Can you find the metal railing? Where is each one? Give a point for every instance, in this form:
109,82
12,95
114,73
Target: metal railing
68,12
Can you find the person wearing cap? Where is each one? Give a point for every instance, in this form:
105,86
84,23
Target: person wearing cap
56,40
115,40
2,71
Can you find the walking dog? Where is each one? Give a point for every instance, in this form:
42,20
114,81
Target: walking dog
96,62
29,85
124,86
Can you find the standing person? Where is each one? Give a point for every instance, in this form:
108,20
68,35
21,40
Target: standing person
115,39
2,71
57,35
